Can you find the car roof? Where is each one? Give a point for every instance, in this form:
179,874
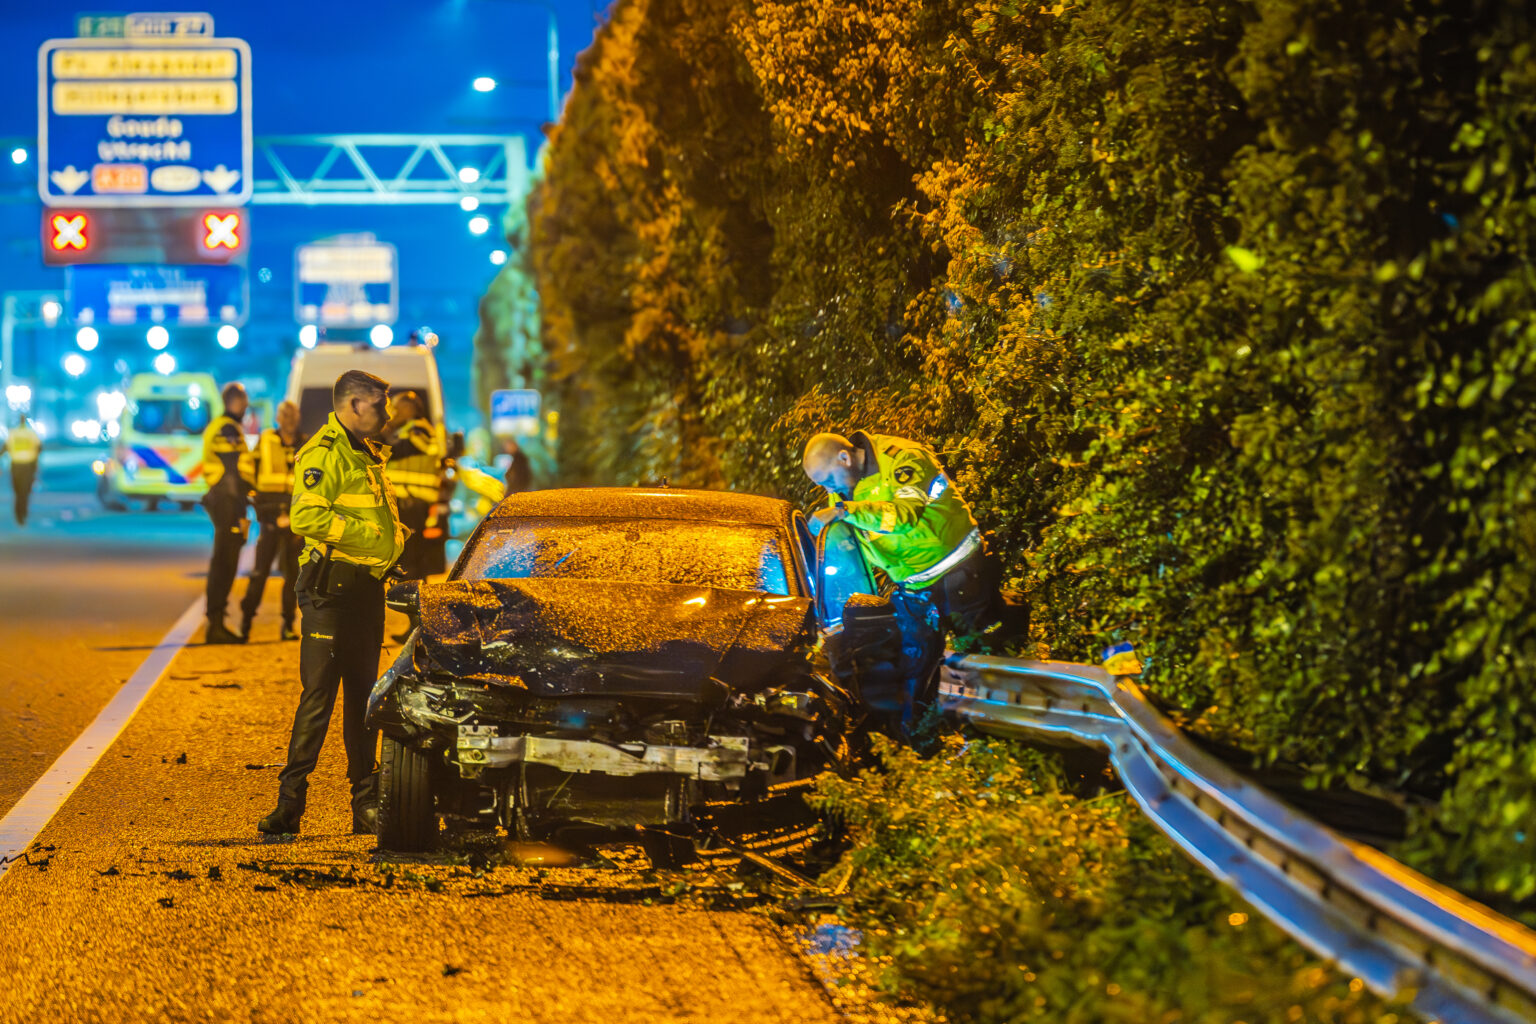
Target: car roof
648,503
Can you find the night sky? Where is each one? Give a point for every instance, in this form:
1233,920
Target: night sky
329,67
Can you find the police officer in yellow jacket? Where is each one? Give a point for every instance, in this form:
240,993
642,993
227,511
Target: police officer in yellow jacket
344,508
415,469
24,446
912,524
223,445
269,472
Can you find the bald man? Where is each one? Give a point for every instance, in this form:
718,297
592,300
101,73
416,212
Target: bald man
912,524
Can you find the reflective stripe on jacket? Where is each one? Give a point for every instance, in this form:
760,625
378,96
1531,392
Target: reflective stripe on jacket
269,469
416,461
223,445
343,503
908,516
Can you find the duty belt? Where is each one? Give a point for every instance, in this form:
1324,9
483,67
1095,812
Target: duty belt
962,551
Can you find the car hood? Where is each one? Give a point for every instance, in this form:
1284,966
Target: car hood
567,637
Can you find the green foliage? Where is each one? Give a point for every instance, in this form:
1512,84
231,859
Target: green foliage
1221,312
987,890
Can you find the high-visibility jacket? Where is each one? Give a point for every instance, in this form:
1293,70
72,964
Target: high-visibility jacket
416,461
269,471
223,445
24,445
342,502
908,516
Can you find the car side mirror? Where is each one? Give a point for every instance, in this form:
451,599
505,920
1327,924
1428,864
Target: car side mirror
404,597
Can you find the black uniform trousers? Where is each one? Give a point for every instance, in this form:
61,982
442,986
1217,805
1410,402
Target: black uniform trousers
280,543
23,474
228,514
963,600
342,637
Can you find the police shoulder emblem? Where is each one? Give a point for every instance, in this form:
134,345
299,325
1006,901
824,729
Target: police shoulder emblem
311,476
905,475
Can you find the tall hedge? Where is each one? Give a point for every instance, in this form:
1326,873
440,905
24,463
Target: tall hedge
1221,310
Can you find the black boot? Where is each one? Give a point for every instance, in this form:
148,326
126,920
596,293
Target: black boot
245,627
218,633
365,806
282,822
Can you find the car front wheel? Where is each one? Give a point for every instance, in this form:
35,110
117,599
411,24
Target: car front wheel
407,817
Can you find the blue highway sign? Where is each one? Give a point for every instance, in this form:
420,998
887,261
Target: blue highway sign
121,294
515,413
144,121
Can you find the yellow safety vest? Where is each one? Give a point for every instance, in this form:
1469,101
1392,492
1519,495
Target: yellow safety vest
343,503
24,444
416,467
223,445
269,469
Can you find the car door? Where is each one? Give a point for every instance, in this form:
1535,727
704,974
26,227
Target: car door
841,572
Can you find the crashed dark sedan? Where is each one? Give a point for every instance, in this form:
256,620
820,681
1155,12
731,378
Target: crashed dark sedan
615,658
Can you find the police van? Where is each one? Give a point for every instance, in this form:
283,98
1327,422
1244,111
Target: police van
409,367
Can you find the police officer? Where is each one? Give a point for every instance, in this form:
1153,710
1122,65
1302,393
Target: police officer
912,524
344,508
223,446
415,470
24,446
269,470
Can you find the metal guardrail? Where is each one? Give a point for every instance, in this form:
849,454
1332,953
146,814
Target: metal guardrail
1402,934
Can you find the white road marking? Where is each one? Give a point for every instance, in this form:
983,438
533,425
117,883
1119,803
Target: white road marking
34,810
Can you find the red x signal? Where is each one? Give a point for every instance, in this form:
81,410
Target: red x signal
221,231
69,232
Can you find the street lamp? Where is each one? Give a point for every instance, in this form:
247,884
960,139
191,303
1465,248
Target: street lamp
499,257
553,55
479,225
484,84
51,310
381,336
165,363
469,175
87,339
158,337
469,204
19,155
228,336
75,364
308,335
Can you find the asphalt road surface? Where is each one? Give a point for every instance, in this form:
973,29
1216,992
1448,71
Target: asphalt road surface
85,595
150,897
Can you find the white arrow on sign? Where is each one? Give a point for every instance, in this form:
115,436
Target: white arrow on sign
70,180
221,178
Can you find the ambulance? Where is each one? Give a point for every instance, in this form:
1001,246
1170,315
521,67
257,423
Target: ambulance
158,452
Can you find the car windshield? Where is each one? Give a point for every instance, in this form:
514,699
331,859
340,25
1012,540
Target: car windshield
170,416
731,556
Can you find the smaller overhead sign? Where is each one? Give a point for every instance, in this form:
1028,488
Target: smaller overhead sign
156,294
346,281
515,413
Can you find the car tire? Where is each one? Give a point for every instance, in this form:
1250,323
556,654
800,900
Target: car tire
187,506
407,816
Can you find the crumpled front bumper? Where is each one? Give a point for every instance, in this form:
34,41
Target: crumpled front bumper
723,759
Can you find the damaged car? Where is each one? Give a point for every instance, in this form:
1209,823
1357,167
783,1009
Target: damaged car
617,659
